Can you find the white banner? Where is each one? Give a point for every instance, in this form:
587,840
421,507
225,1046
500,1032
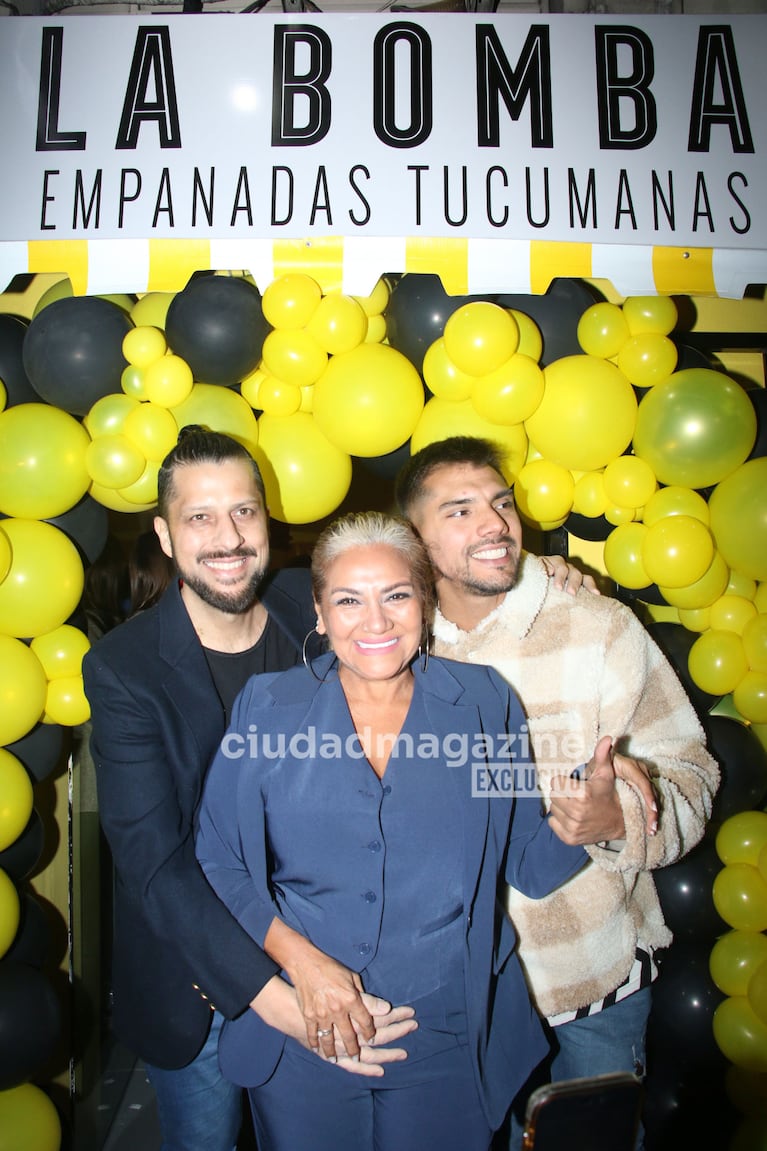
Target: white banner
582,129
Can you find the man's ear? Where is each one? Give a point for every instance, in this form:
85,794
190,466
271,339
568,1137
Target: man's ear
163,535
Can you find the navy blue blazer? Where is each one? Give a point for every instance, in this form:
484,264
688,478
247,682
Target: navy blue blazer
156,723
502,839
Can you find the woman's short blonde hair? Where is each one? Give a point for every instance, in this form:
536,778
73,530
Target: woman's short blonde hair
366,529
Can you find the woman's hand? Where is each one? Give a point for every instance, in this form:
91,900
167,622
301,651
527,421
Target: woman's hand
329,994
277,1004
566,576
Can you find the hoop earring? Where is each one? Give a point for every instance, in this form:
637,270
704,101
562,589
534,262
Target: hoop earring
424,653
305,658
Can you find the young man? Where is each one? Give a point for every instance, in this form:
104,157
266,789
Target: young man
584,668
161,687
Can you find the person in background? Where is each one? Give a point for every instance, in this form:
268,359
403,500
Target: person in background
347,808
150,571
585,669
160,687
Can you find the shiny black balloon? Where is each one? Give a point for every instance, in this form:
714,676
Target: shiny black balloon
743,763
32,944
18,388
217,325
685,893
86,525
40,750
30,1022
22,856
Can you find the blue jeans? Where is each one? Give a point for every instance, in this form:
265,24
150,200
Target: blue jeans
199,1109
612,1040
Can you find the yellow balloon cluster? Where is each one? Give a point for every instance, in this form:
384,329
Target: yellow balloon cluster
738,960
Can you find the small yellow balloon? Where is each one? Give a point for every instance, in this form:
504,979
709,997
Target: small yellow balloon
22,689
755,642
5,555
66,702
717,663
731,613
530,338
45,581
741,585
695,618
442,377
113,499
152,309
734,958
375,303
543,492
677,551
338,324
675,501
618,514
152,429
277,397
602,330
16,798
656,314
132,382
376,331
647,359
757,991
168,381
702,592
143,491
750,696
740,897
441,419
10,914
42,461
295,356
61,651
740,1034
113,461
741,837
290,301
480,336
511,393
623,556
108,415
29,1120
143,345
589,495
306,476
629,482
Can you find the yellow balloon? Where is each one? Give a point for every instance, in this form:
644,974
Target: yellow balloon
114,499
650,314
376,331
589,496
168,381
480,336
741,837
647,359
277,397
152,429
132,382
290,301
113,461
755,642
45,582
368,401
747,1091
108,415
61,651
511,393
42,461
734,958
16,798
740,1034
10,913
29,1120
616,514
143,491
629,482
543,492
22,689
307,399
602,330
222,410
441,419
251,384
717,662
295,356
731,613
704,591
375,303
143,345
675,501
587,415
306,476
3,395
750,696
757,991
677,551
152,309
5,555
530,338
740,897
695,618
338,324
623,556
743,586
442,377
739,518
66,702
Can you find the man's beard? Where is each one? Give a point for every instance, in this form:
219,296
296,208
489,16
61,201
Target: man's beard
232,603
494,584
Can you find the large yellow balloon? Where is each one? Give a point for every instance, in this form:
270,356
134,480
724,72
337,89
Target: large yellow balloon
368,401
29,1120
42,461
587,415
740,1034
306,476
16,798
677,551
739,518
717,662
602,330
480,336
22,689
695,428
45,582
511,393
735,957
740,897
442,419
61,651
623,556
222,410
10,911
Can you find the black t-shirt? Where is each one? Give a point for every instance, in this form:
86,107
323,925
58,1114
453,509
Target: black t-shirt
273,651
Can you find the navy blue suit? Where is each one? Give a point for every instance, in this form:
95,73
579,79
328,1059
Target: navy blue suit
157,721
324,882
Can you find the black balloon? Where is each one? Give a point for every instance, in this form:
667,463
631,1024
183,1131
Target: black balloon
86,525
588,527
32,944
13,374
684,998
685,893
217,325
40,750
22,856
743,763
758,397
557,314
387,466
675,642
30,1022
73,351
416,314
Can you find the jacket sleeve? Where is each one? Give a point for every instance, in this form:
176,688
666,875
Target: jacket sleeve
645,708
148,821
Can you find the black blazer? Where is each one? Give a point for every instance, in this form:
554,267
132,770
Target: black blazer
156,724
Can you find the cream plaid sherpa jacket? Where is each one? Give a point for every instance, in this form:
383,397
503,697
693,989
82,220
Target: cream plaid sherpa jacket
585,667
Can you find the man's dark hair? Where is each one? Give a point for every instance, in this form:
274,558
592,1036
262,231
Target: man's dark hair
199,445
471,450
